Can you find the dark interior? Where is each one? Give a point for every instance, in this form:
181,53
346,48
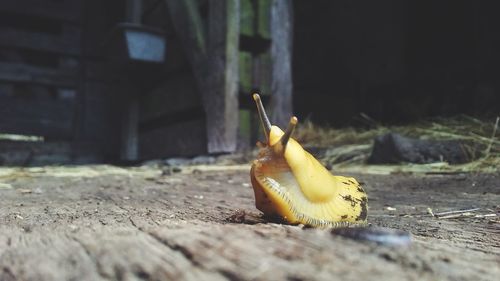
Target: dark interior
395,61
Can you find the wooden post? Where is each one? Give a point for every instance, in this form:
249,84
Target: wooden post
133,11
130,118
281,57
214,60
221,101
130,135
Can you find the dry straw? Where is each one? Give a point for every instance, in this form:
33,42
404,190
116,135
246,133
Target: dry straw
348,148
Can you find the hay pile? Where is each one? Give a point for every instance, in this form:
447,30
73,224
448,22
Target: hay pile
347,149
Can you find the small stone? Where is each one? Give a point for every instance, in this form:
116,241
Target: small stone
177,161
203,160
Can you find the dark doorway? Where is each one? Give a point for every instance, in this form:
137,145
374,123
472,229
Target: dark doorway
396,61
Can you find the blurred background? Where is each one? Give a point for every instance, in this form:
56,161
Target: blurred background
125,81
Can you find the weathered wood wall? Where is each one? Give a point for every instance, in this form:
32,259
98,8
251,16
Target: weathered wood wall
172,118
57,81
59,77
211,42
39,64
265,63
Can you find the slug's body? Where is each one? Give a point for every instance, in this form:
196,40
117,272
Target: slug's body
290,183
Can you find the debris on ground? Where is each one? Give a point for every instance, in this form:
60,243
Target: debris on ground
348,149
393,148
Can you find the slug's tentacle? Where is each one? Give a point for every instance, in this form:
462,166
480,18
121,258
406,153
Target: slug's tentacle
288,133
266,124
281,145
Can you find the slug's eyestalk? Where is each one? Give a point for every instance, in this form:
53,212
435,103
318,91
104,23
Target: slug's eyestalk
264,120
289,131
281,145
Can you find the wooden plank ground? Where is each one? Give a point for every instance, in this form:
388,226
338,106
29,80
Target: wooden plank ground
108,223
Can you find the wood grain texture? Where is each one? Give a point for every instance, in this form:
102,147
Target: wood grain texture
281,60
184,138
213,55
40,117
110,223
66,10
24,73
60,44
221,93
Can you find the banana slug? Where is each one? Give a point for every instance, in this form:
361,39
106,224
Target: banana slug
290,183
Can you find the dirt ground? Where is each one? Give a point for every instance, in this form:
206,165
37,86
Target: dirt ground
110,223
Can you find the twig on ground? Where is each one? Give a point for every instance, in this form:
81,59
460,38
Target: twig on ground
443,214
457,216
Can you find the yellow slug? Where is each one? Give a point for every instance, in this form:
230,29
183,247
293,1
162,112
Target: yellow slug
290,183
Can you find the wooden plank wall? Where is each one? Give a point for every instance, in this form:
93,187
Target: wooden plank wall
40,47
56,80
39,65
103,83
172,118
254,66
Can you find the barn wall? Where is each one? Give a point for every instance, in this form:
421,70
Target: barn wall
40,65
59,81
172,118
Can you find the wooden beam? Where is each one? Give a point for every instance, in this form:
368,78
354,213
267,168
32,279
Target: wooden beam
68,10
16,72
178,93
130,119
130,131
214,60
41,117
281,57
189,26
181,139
27,153
221,100
11,37
247,17
100,112
133,11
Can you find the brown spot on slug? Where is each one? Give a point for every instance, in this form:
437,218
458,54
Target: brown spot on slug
349,198
364,212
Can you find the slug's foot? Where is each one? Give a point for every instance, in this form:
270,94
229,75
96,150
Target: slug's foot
244,217
275,219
